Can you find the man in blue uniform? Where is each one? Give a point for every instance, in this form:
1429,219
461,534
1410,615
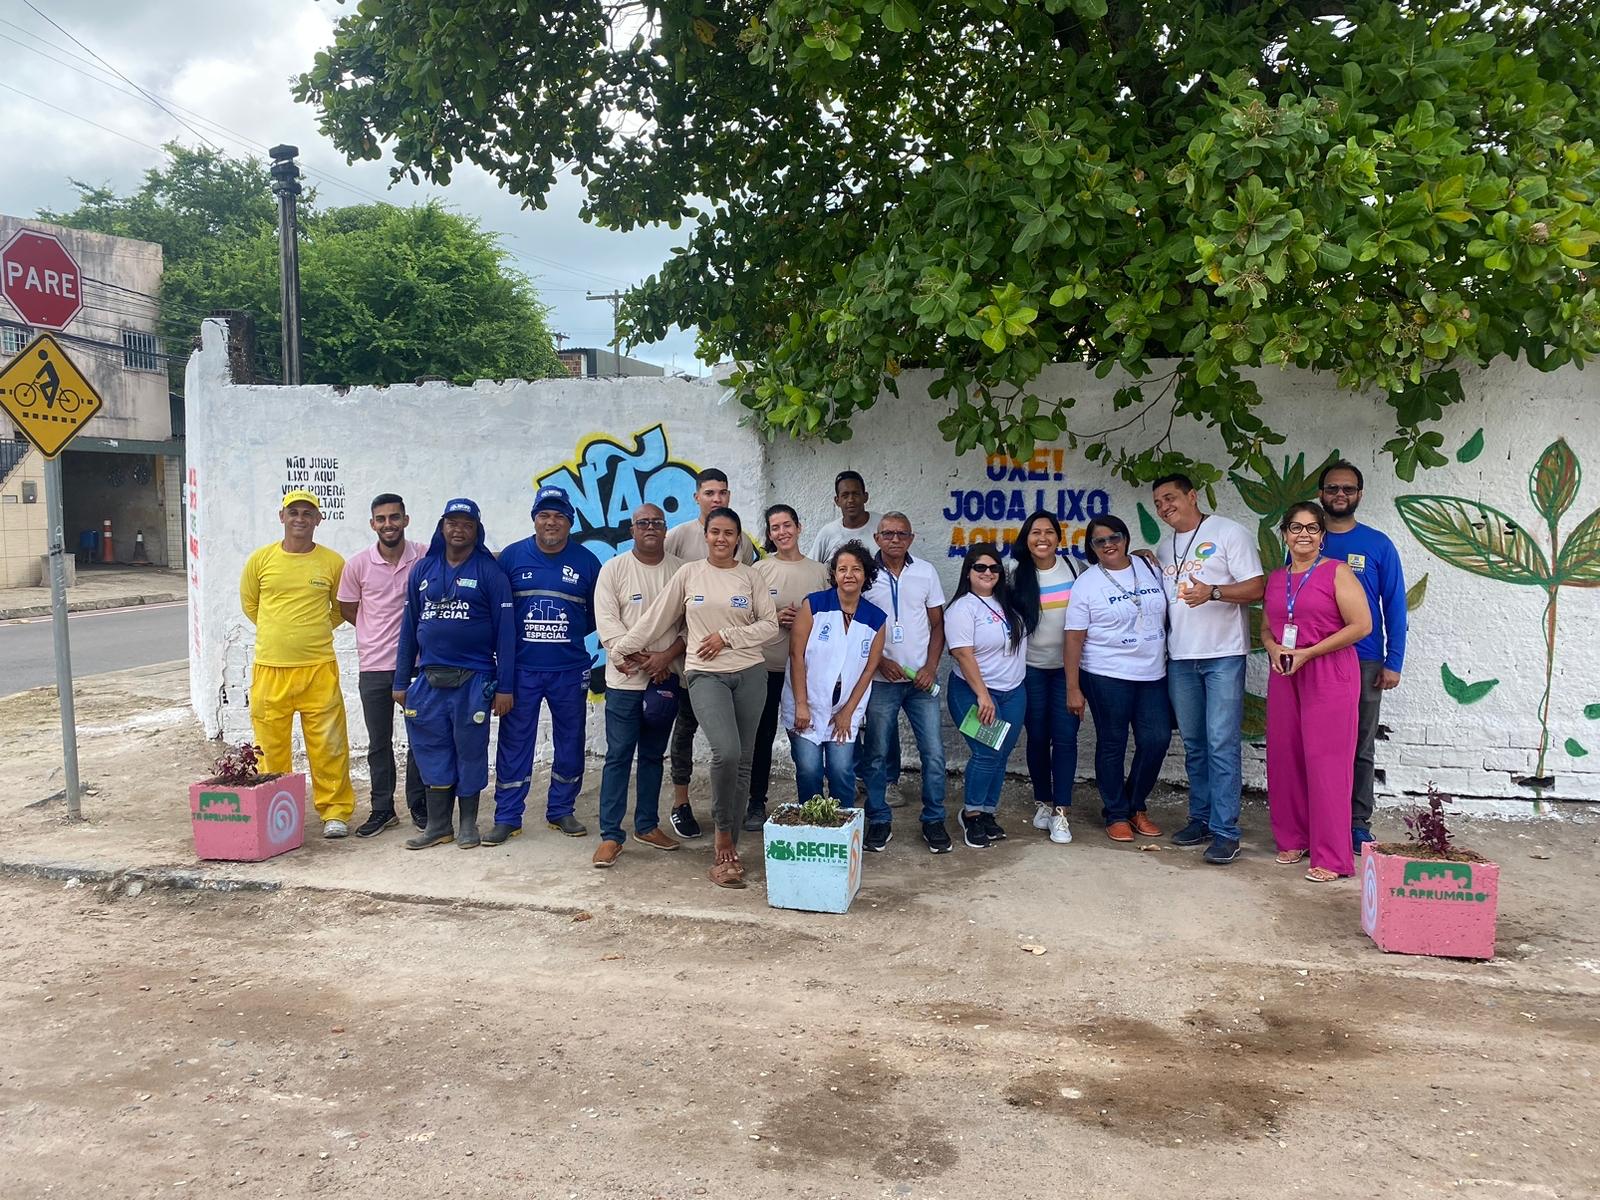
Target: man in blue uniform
552,584
457,627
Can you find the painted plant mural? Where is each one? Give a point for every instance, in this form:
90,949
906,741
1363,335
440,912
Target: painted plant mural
1485,541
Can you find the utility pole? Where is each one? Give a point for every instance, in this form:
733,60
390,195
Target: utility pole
286,187
616,336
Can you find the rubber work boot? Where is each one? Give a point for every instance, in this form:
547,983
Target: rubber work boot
467,828
441,802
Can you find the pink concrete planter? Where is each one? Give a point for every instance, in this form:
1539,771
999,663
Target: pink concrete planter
1423,906
248,824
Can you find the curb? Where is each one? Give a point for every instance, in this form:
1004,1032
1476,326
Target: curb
163,877
134,601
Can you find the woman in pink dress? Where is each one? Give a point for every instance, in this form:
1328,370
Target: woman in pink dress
1316,612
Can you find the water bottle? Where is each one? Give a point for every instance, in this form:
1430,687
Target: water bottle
911,676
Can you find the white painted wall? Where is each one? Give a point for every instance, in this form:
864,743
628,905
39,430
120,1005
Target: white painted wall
491,441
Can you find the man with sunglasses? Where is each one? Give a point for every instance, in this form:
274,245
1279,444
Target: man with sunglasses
1376,563
908,589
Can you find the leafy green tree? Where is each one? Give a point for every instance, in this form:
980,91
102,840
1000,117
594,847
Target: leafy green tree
388,294
1182,191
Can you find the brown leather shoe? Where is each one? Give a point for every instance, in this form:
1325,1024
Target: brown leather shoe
606,853
1119,831
1144,826
660,839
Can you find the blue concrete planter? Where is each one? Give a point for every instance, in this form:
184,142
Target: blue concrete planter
813,868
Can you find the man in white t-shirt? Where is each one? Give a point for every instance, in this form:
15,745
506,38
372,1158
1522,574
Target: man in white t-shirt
908,589
1212,573
854,523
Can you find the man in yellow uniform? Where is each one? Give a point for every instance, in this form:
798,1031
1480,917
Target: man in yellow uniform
289,591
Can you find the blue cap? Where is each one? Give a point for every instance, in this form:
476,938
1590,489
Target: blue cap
459,506
553,499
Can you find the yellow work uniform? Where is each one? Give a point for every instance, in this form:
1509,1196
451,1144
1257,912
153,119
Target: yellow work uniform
292,599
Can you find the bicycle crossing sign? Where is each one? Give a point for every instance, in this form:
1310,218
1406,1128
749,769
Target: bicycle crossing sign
47,396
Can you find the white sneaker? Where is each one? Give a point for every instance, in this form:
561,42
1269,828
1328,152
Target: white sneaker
1041,817
335,829
1060,832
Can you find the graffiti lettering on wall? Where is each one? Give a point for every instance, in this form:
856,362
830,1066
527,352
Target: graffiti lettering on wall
608,478
320,477
995,511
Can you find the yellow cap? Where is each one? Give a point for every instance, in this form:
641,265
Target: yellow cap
300,495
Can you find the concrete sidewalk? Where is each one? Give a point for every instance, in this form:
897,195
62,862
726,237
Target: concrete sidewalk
99,587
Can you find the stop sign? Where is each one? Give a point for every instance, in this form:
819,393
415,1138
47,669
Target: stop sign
40,279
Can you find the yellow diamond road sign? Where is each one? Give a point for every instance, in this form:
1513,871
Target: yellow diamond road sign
47,396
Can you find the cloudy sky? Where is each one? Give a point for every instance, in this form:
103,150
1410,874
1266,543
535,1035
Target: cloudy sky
230,62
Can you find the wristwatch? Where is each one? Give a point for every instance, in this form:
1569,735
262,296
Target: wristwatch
1216,592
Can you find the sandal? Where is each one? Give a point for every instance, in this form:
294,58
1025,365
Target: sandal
1323,875
728,874
1288,858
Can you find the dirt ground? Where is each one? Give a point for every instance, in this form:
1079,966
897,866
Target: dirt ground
511,1023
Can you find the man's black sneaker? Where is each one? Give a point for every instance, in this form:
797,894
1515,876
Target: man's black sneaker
500,833
683,822
937,837
877,837
377,823
972,830
1222,851
992,828
754,818
569,825
1195,833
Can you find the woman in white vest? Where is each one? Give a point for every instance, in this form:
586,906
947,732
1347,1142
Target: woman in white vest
834,648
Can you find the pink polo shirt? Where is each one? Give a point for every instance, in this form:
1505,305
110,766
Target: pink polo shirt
380,590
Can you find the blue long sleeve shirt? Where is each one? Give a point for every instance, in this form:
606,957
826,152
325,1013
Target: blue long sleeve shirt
458,617
554,598
1376,563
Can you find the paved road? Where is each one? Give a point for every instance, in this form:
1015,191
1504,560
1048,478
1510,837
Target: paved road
108,640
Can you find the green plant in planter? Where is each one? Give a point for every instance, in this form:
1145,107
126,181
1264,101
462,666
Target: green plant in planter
1486,541
821,810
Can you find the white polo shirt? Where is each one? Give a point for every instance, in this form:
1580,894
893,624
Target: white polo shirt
907,600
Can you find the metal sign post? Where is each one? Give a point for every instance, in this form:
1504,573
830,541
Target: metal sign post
56,520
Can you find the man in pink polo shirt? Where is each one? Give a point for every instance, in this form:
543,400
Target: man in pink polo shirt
372,597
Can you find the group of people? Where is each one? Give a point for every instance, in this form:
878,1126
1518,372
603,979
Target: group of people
709,627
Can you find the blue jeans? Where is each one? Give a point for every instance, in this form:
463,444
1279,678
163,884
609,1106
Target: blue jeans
1117,704
1052,736
626,733
884,704
836,760
1208,698
986,765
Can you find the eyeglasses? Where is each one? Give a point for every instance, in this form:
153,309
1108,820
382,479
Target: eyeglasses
1296,527
648,523
1341,489
895,535
986,568
1110,539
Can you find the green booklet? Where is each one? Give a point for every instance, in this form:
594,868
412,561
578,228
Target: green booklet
989,735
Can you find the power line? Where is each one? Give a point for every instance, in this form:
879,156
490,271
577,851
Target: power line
44,16
85,120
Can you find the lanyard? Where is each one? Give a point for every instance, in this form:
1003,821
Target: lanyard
1293,594
1133,595
1177,563
894,584
999,616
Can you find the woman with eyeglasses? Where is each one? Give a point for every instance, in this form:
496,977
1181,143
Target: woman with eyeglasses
986,635
1116,664
790,577
1316,612
1042,580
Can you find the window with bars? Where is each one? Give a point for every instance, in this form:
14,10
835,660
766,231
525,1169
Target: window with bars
13,338
140,351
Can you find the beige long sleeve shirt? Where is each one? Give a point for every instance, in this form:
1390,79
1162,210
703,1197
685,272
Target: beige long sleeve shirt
622,594
733,601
